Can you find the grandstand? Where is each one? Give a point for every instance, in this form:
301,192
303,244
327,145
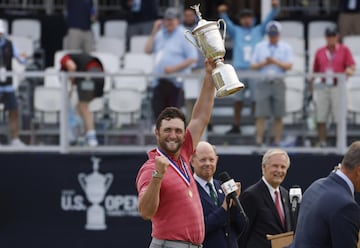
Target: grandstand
125,67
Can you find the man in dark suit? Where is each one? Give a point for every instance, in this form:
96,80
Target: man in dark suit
266,203
329,216
222,225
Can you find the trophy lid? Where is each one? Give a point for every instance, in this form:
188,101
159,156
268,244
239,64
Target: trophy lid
201,23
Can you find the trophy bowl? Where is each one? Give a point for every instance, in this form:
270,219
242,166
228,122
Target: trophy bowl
207,38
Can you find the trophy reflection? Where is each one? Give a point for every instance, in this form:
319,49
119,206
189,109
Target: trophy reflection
210,42
95,186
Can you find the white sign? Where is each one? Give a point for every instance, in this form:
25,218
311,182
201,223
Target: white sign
95,185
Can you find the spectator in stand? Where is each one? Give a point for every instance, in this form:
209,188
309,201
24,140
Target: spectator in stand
7,92
244,38
87,89
331,58
272,58
189,19
79,16
173,55
141,15
349,17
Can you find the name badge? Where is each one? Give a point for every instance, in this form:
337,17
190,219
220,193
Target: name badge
247,53
329,80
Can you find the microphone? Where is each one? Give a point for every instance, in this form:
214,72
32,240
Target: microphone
229,187
295,196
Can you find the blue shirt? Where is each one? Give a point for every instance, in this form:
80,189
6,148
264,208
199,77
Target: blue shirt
10,88
172,49
281,51
245,39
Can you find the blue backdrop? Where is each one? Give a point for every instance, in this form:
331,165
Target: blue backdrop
42,202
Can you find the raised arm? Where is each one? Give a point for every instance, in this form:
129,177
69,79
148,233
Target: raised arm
149,45
203,106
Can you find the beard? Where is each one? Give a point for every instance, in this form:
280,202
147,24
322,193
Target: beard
170,147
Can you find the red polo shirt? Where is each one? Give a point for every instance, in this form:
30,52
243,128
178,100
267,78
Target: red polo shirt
179,215
338,61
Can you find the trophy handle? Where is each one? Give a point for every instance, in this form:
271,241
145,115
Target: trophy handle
224,24
81,178
190,40
109,178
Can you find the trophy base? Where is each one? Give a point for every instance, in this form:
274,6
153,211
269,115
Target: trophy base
226,80
229,89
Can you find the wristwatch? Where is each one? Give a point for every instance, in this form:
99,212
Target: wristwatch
156,174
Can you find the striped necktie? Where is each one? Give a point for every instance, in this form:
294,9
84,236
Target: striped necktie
212,193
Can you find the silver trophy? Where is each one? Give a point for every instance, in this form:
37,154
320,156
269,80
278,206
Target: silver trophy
95,186
208,39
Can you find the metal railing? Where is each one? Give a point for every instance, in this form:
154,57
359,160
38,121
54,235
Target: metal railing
64,147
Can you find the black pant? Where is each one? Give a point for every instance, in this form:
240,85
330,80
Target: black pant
166,94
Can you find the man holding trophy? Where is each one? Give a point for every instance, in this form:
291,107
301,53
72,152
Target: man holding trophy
167,191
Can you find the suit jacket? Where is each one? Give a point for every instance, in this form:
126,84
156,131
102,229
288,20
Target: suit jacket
263,216
216,219
329,216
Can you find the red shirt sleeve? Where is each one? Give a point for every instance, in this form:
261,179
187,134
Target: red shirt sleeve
63,61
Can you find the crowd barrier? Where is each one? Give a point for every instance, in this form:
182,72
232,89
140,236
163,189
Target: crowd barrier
144,130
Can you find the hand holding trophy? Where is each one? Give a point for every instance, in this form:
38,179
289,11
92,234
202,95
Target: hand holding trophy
210,42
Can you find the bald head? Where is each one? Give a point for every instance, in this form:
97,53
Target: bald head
204,160
205,146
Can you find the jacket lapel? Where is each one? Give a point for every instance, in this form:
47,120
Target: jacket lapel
270,202
219,192
205,196
285,201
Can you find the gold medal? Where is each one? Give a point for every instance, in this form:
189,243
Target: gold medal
190,193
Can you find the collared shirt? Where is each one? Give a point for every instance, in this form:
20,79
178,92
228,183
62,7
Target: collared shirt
172,49
338,61
244,39
280,51
179,215
272,192
346,179
203,183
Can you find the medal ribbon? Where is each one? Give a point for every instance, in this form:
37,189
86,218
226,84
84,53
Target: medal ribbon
183,174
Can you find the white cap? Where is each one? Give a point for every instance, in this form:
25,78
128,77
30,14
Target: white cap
2,27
